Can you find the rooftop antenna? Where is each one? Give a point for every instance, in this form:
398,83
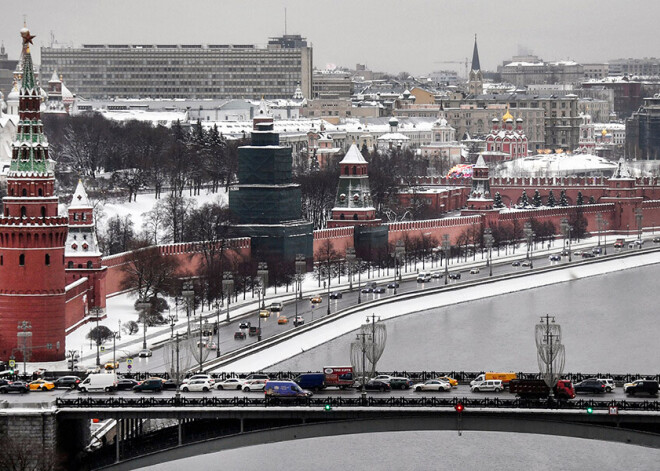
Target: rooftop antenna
284,21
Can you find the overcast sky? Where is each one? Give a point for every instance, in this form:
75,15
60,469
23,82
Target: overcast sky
387,35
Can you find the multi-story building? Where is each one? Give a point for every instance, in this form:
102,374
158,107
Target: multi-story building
643,131
628,94
646,67
523,73
7,68
193,71
596,71
332,84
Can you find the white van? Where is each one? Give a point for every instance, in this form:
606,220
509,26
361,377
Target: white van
99,382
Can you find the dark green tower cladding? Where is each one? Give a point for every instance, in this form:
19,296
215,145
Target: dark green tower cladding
266,204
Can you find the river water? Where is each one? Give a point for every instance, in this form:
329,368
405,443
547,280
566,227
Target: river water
609,323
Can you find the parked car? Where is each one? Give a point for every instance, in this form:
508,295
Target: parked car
67,382
230,383
336,295
494,385
205,377
239,335
400,382
264,313
515,263
374,385
474,271
316,299
432,385
41,385
299,320
254,385
276,307
554,258
244,325
197,385
453,382
16,386
424,277
126,383
151,384
282,320
379,290
591,385
393,284
144,353
641,386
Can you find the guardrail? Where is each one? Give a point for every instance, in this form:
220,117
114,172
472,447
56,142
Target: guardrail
357,402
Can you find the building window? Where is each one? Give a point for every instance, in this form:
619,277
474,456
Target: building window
355,217
69,265
41,192
43,211
47,259
21,260
23,212
89,264
2,259
24,193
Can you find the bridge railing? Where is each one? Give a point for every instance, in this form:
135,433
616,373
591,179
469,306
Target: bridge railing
357,402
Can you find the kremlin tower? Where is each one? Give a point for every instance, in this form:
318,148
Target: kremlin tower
32,236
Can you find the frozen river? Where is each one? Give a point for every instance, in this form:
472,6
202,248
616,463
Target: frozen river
609,324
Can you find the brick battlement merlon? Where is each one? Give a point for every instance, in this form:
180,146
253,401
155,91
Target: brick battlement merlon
34,221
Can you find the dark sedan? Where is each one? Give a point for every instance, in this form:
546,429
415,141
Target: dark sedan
379,290
155,385
126,383
374,385
394,284
68,382
336,295
590,386
17,387
169,384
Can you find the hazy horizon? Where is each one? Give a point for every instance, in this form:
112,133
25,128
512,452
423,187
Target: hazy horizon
386,35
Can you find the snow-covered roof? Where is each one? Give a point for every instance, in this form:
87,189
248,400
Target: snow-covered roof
393,136
557,165
80,199
353,156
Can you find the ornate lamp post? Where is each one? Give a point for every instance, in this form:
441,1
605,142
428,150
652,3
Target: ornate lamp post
188,294
488,242
399,251
262,272
599,223
350,258
566,229
172,320
301,266
144,307
639,216
359,264
446,246
530,237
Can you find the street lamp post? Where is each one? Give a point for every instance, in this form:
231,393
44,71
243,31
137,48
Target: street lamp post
399,251
639,216
566,228
262,272
188,294
529,233
446,246
605,225
488,241
144,307
350,258
301,267
172,320
359,264
599,223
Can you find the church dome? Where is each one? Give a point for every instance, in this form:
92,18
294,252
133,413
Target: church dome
508,116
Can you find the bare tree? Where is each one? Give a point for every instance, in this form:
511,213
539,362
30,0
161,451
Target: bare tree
148,271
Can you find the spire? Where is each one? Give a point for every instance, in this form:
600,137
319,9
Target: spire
475,56
28,81
80,199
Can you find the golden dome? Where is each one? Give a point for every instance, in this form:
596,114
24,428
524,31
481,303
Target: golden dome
604,132
507,116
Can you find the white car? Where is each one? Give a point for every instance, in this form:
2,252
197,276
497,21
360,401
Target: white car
432,385
230,383
199,376
494,385
254,385
423,277
383,378
609,384
474,271
197,385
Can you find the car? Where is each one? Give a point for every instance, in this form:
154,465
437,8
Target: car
229,383
197,385
282,320
239,335
609,384
299,320
254,331
126,383
276,307
526,263
336,295
369,287
588,255
656,240
591,385
244,325
639,242
144,353
374,385
436,274
254,385
400,382
494,385
577,252
423,277
393,284
264,313
41,385
641,386
565,253
554,258
597,250
111,366
379,289
453,382
151,384
384,378
205,377
16,386
454,276
316,299
515,263
474,271
432,385
256,376
67,382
